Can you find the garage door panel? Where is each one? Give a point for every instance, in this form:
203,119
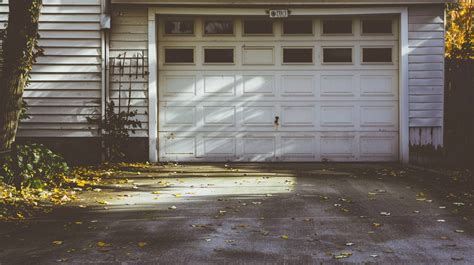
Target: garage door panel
262,116
338,85
378,148
298,85
299,147
379,85
339,148
259,148
219,85
260,85
178,85
219,115
178,116
219,147
337,116
379,116
298,116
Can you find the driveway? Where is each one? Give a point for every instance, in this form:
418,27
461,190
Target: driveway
256,214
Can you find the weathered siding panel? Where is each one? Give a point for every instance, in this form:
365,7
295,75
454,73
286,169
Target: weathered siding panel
426,74
128,64
65,82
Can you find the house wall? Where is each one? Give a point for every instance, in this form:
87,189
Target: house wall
66,82
129,40
426,74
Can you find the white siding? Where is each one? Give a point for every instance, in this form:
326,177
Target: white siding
65,82
426,74
129,37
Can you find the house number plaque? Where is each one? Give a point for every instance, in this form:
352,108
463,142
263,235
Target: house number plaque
278,13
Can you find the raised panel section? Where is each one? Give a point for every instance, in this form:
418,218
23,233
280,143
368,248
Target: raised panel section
298,85
301,116
218,116
333,147
179,116
180,146
257,56
219,146
258,115
378,146
298,146
334,85
378,116
180,85
259,85
219,85
337,116
263,146
377,85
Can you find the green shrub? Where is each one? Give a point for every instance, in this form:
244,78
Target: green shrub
33,166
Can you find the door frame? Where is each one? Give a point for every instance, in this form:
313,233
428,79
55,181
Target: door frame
153,12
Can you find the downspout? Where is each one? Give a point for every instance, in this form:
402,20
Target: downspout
105,24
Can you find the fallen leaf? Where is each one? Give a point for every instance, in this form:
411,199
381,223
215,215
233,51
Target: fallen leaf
57,242
459,231
172,207
349,244
142,244
102,244
156,192
342,255
284,237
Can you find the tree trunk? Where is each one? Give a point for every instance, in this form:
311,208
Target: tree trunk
19,53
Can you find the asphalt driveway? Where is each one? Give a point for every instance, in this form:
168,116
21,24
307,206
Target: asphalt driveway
256,214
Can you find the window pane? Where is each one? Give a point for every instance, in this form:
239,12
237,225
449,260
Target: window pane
377,55
219,55
337,55
219,27
337,26
298,55
179,55
176,26
377,26
258,27
298,27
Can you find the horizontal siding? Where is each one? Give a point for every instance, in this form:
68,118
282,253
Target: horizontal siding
129,40
426,74
65,82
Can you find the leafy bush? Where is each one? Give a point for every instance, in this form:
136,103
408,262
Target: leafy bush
114,130
33,166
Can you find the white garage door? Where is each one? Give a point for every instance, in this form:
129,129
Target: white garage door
256,89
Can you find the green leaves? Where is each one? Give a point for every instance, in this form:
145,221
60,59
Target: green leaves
33,166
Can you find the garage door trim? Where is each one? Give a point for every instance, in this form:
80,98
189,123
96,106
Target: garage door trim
403,59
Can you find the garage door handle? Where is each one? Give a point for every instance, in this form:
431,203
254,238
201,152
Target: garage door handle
277,121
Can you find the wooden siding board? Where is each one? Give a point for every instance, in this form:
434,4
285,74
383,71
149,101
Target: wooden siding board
426,74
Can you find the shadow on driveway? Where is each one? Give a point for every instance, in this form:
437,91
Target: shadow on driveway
297,213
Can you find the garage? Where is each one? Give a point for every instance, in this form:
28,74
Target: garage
305,88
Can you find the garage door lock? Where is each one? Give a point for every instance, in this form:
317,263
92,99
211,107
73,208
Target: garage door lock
277,121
